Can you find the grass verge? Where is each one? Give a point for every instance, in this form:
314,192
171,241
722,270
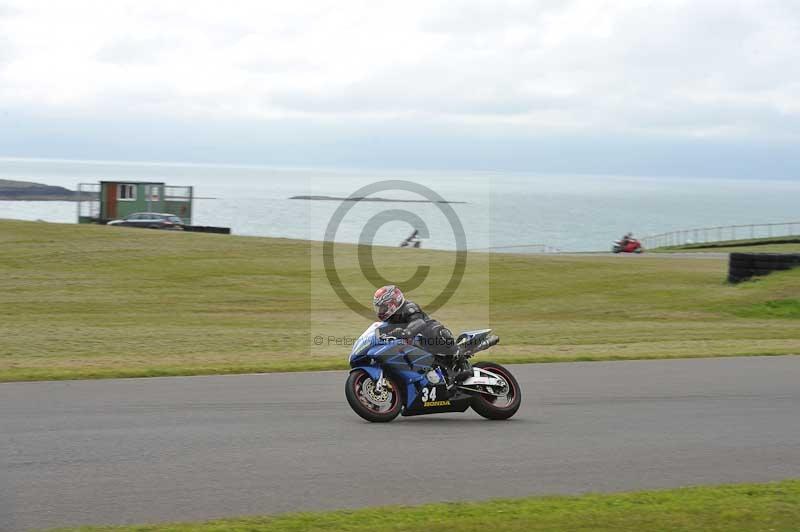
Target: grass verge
780,308
739,508
97,302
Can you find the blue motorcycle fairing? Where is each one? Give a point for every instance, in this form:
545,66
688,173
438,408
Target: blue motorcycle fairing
374,372
368,339
408,366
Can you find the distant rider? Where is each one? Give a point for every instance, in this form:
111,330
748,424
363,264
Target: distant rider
392,307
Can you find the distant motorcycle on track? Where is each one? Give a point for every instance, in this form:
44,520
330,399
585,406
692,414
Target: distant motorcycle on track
390,376
631,246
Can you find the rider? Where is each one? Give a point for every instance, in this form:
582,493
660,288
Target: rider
392,307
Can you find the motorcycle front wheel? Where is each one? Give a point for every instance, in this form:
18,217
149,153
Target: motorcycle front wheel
503,407
369,403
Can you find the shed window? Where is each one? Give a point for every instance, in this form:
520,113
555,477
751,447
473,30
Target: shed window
127,192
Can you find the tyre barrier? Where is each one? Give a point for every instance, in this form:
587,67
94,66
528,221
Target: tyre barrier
743,266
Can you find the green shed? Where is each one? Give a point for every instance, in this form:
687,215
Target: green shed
112,200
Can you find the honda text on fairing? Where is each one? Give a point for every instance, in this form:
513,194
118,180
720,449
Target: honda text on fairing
392,376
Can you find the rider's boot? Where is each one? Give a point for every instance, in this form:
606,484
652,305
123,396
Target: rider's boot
462,375
458,366
459,370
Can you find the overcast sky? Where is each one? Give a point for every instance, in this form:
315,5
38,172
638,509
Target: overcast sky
669,87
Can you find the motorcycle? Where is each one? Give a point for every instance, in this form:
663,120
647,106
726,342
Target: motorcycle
390,376
632,246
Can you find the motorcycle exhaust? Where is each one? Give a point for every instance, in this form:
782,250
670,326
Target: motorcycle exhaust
488,342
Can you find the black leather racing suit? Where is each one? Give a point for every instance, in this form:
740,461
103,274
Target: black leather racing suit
411,321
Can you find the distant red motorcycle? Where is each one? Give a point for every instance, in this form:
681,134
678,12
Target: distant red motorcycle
631,246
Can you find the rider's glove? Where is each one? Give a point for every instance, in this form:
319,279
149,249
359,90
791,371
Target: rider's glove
397,332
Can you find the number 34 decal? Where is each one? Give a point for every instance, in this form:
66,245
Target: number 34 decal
428,394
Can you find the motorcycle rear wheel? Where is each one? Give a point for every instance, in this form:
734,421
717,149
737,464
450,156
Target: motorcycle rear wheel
377,407
488,406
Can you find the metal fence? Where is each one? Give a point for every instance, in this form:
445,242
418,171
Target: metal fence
721,233
522,248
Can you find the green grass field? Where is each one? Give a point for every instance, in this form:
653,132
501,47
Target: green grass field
92,301
734,508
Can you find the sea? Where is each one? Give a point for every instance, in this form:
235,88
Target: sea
524,212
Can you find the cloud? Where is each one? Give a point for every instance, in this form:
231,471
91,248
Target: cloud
6,50
712,69
404,144
134,50
7,10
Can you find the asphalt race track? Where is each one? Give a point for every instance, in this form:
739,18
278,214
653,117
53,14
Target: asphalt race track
193,448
